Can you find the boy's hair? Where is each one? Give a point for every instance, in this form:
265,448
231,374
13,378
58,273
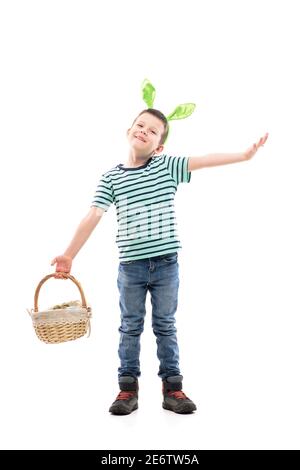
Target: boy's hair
162,117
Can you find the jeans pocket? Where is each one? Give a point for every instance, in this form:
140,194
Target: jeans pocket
170,258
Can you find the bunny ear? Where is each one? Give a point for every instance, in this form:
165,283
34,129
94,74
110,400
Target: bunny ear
182,111
148,92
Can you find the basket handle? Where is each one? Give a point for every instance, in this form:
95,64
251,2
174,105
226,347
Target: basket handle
36,295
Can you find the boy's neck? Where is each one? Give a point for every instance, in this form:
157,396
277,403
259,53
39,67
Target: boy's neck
135,160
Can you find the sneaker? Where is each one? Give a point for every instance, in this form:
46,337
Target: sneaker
127,400
174,398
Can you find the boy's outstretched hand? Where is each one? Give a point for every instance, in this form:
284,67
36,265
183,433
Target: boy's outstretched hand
63,266
252,150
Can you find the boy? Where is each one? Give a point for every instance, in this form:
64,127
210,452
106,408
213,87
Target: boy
143,191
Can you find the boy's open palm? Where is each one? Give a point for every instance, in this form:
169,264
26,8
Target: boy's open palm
63,266
251,151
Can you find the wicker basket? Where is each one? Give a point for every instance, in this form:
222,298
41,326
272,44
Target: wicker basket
58,325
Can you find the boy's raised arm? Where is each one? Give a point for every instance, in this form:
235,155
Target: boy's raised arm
215,159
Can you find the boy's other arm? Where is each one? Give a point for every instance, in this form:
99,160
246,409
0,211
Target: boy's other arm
214,159
84,230
64,262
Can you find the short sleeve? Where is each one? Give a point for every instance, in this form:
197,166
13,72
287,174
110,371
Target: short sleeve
103,196
178,168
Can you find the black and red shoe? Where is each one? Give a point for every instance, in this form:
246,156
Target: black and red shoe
174,398
127,399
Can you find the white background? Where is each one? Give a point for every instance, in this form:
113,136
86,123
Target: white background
71,74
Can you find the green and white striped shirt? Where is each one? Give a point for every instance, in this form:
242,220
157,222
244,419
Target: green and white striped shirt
144,200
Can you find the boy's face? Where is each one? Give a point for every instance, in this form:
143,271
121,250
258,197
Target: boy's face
145,134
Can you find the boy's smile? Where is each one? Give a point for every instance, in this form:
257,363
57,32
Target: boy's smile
140,137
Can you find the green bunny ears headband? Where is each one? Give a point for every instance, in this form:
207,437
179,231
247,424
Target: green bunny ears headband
180,112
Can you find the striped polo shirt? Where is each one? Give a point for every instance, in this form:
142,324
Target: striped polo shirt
144,200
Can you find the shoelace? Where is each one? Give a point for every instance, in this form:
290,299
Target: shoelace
123,395
178,394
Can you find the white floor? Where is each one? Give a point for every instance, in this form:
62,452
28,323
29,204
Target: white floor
239,366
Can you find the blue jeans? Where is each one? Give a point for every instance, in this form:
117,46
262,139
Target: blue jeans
159,275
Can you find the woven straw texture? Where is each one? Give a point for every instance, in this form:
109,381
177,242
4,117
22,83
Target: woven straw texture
65,322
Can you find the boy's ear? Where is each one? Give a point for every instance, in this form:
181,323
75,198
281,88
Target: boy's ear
159,149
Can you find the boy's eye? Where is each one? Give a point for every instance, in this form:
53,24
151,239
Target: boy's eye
140,125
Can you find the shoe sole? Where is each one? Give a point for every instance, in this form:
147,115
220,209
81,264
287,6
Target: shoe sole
184,411
123,412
